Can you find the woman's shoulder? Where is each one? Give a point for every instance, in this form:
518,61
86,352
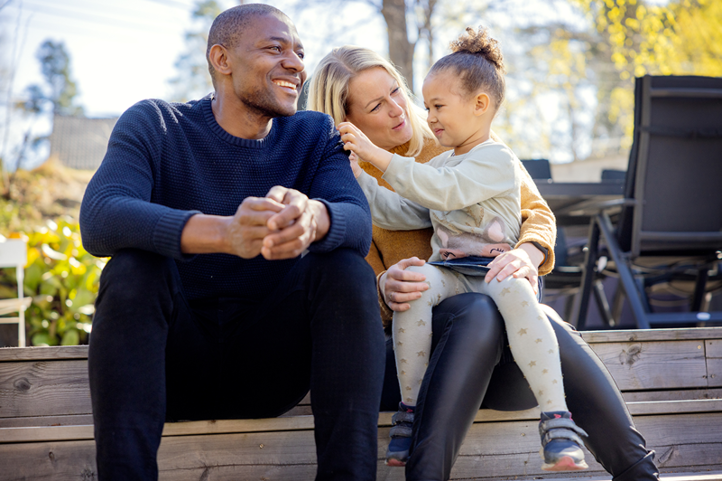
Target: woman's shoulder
431,149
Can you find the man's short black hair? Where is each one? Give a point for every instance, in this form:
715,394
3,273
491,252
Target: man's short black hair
229,25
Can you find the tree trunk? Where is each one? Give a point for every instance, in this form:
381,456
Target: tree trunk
401,50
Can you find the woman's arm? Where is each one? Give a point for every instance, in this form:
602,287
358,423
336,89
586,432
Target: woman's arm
538,222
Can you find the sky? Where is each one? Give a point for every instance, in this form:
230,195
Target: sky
123,51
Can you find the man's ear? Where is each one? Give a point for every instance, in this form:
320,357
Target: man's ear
482,103
218,56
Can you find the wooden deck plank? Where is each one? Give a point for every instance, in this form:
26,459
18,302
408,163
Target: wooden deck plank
639,335
672,395
714,361
629,335
655,364
492,451
46,433
39,388
47,421
43,353
671,379
33,388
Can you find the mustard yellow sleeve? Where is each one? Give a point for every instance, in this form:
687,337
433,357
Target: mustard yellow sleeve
538,221
374,259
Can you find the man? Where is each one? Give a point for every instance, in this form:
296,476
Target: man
208,308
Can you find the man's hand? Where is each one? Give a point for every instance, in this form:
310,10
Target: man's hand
399,286
279,226
249,226
292,229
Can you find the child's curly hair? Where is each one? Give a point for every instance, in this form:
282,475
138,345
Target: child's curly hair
477,59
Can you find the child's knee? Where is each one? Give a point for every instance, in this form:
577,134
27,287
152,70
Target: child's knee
426,269
437,286
511,286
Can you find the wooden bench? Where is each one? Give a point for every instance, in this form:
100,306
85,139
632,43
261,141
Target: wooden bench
670,378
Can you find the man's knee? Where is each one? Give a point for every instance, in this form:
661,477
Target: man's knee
134,275
341,269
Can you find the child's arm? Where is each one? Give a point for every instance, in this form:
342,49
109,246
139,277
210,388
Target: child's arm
488,172
357,142
485,173
391,211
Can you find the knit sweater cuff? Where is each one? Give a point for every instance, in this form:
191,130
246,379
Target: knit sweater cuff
336,231
168,231
386,313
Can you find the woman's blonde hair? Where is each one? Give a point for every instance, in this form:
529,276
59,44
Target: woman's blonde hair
328,90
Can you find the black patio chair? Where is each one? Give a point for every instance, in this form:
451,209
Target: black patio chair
670,224
565,279
539,169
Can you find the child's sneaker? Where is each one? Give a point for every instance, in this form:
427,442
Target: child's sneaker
398,452
561,442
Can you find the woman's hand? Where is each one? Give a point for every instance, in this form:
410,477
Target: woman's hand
357,142
400,286
520,262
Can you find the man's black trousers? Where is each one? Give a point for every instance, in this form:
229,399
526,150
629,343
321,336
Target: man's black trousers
155,357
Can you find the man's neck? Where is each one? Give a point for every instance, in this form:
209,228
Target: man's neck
237,119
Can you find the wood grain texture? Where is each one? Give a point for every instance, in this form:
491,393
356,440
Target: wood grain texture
671,379
655,365
672,395
44,388
46,421
714,361
503,450
43,353
637,335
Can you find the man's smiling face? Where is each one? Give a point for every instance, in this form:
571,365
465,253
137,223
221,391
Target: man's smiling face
268,69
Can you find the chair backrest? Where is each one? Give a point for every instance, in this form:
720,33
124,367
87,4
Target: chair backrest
675,167
538,168
13,253
612,175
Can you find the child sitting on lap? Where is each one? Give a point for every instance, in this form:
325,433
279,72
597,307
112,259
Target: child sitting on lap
471,197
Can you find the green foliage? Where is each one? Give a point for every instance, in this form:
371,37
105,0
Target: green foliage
62,278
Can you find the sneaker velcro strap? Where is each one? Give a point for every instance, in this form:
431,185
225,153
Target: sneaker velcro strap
400,431
402,417
562,433
560,423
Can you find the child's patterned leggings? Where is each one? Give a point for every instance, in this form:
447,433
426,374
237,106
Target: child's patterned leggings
531,337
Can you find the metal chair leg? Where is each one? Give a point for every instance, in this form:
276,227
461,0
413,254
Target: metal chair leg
602,303
581,300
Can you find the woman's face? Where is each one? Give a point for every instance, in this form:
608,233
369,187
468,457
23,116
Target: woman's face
378,107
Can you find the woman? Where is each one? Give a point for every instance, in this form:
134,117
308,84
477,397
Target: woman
469,343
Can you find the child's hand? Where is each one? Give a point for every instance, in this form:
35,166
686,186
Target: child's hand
357,142
353,158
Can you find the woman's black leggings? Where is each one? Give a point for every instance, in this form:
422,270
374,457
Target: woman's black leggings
471,366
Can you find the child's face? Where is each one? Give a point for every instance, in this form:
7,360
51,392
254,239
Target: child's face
453,116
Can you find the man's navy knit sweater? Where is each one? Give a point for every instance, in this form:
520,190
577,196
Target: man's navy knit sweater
166,162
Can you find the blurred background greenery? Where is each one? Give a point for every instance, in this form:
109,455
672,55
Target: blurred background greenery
60,276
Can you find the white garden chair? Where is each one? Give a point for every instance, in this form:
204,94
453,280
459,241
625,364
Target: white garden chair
14,254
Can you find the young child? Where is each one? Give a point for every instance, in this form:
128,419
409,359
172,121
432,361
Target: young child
471,197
